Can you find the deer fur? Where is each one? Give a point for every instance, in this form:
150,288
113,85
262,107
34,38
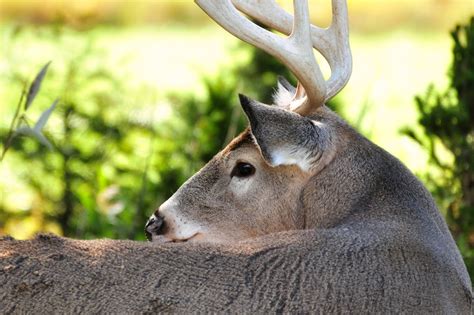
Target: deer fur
365,267
356,212
308,170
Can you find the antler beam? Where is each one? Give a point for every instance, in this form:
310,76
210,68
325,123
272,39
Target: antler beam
332,43
296,51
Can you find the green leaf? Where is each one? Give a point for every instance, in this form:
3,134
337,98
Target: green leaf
36,85
36,131
45,116
33,133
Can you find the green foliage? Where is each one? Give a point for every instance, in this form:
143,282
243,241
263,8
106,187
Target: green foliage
19,124
259,77
447,121
89,184
204,126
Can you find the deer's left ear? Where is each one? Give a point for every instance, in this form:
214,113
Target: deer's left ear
284,137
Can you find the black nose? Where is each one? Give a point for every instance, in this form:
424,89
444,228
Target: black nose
154,226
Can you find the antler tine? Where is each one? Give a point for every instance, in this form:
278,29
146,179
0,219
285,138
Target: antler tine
332,43
295,51
301,25
341,50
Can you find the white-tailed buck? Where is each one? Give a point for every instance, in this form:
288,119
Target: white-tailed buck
299,215
301,167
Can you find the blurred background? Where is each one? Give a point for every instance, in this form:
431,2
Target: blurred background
147,94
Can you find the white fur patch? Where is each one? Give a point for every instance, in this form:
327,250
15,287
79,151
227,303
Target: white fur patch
240,186
302,157
282,97
318,124
168,206
184,228
286,99
292,155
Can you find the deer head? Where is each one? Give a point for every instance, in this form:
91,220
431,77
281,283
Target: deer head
299,165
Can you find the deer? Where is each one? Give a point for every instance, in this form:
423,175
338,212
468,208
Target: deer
299,166
298,214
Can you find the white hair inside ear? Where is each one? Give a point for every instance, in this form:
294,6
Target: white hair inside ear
282,96
287,96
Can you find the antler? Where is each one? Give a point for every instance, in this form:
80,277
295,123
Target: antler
332,43
296,51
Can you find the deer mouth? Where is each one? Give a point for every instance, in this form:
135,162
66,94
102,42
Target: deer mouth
195,236
166,239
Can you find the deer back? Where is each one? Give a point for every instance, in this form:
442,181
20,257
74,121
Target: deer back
363,267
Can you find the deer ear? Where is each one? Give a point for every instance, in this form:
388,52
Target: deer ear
284,137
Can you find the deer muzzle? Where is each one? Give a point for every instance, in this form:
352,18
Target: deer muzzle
154,226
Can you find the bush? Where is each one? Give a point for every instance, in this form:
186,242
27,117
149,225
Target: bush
447,122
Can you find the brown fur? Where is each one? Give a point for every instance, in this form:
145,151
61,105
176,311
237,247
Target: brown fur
359,268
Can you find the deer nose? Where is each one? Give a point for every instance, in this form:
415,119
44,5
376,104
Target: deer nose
154,226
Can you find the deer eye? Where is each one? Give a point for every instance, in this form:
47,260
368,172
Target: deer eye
243,169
